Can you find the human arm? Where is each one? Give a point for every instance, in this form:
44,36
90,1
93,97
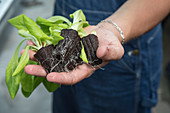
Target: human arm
134,18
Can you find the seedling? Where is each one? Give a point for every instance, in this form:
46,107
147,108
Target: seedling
60,46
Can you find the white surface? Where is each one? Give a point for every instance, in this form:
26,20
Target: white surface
4,6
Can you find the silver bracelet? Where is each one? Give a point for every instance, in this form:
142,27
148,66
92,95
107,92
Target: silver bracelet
118,28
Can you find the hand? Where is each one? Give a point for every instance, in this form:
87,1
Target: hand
110,48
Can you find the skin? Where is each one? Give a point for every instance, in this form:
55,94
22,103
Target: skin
135,17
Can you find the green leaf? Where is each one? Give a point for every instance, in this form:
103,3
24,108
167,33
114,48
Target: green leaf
82,33
52,21
13,82
83,54
28,36
45,29
14,60
79,22
18,22
55,34
93,32
42,21
26,94
79,25
63,26
50,86
60,19
34,29
78,16
30,82
25,34
58,22
23,61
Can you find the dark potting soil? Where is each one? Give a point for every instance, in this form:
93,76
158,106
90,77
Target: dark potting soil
65,56
90,43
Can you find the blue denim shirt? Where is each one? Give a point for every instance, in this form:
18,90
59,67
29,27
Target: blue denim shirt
128,85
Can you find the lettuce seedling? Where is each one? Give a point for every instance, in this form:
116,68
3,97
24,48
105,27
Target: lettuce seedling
45,33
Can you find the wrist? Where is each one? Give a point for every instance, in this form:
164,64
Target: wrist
112,27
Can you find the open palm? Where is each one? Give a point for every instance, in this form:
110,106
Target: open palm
109,48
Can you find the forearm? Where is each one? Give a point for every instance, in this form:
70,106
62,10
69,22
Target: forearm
136,17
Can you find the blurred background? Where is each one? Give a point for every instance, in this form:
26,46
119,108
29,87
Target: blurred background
40,101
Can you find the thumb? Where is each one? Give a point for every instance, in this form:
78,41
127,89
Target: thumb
102,52
110,52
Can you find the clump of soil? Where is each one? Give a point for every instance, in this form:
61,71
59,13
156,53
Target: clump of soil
65,56
90,43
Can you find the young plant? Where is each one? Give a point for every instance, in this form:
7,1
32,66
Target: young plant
47,34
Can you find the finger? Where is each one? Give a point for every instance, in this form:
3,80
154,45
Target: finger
29,42
102,52
36,70
83,71
31,54
110,52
